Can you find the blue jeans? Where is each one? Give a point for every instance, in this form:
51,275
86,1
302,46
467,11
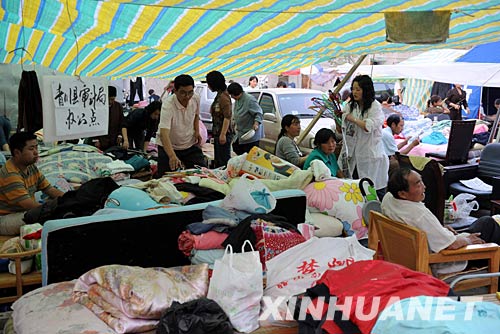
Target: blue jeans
5,128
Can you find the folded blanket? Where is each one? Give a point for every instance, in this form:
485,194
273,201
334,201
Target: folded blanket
132,299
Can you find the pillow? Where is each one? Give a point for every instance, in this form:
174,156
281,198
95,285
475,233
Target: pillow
265,165
326,226
273,240
339,198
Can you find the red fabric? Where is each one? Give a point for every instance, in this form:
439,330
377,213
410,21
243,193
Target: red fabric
273,240
34,235
185,242
382,279
209,240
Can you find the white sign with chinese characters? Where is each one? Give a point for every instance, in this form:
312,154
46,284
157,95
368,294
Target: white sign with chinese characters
74,108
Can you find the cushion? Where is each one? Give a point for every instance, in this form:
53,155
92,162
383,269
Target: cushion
458,188
342,199
265,165
132,199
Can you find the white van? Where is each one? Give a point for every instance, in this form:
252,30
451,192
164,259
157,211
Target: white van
206,99
278,102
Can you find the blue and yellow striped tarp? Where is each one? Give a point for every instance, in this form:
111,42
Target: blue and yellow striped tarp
164,38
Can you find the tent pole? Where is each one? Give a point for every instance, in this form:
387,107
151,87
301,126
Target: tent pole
335,91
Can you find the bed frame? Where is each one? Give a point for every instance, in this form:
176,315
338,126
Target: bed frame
71,247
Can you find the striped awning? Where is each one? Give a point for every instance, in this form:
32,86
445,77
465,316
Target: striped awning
164,38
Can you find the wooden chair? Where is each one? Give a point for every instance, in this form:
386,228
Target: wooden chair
18,281
432,176
406,245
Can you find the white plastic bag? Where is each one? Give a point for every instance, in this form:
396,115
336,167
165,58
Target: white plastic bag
249,195
298,268
236,285
464,207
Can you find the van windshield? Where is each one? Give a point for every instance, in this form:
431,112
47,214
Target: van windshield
297,104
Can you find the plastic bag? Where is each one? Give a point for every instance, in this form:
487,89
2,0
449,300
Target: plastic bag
237,286
464,207
249,195
199,316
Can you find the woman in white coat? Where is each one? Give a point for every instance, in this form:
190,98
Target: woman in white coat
362,153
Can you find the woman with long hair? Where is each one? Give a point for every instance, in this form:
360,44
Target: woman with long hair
363,153
221,111
456,99
435,105
286,148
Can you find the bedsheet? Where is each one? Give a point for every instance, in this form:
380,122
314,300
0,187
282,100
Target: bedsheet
422,148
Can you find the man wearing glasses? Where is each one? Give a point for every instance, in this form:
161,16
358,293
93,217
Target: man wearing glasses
179,139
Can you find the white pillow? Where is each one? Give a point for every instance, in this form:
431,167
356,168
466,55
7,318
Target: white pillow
328,226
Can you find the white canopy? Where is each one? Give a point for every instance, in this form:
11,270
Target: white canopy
477,74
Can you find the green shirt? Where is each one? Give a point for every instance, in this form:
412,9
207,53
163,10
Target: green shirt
329,160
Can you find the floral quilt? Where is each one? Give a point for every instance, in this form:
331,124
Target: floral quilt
51,309
74,166
342,199
132,299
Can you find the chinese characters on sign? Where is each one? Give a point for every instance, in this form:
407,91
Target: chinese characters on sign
310,268
80,107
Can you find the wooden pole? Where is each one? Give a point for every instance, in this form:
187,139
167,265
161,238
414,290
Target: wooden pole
335,91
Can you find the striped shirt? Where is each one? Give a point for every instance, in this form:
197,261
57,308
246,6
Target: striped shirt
16,186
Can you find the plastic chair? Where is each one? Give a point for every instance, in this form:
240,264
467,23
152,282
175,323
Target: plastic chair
487,170
406,245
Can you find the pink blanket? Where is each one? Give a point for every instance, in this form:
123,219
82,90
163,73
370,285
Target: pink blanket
423,148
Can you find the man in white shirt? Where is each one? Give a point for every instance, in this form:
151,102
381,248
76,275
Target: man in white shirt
179,138
395,125
403,203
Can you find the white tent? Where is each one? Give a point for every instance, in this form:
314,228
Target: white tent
439,65
478,74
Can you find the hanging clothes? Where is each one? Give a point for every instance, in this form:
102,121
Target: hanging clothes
136,87
30,112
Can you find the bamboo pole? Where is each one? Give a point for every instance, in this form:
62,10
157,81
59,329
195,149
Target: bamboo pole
335,91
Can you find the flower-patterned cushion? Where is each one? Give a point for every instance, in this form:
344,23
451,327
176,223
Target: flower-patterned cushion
342,199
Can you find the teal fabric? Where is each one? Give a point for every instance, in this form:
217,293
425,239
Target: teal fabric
138,162
440,315
435,138
330,160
